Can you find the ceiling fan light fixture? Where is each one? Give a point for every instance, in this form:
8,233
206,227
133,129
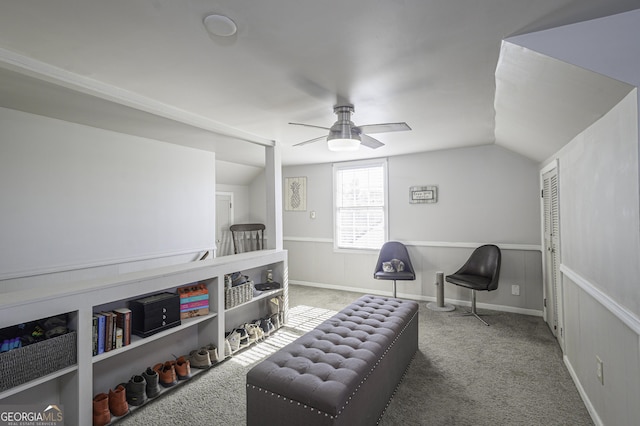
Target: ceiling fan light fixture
346,136
343,145
342,137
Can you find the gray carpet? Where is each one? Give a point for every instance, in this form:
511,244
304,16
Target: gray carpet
464,373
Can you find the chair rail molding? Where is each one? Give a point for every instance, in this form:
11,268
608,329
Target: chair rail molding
628,318
445,244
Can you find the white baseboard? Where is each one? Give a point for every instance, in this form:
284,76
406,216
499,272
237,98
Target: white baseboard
420,297
585,398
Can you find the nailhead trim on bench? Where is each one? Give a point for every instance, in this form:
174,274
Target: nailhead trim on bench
357,387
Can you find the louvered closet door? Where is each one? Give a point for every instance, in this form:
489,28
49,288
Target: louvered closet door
553,283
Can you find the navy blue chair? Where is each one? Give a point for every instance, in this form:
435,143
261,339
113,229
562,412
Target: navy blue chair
394,251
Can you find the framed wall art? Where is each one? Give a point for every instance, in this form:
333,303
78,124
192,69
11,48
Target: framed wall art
295,194
423,194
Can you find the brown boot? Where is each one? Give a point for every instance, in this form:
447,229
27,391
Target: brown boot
167,373
183,368
101,415
118,401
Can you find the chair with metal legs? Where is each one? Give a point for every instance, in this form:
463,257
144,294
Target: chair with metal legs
481,272
394,264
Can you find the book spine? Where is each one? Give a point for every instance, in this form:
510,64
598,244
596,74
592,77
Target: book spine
94,334
101,331
118,337
123,320
191,299
196,290
108,331
127,328
194,305
114,329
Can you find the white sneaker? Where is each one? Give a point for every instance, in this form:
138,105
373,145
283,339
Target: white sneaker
234,341
227,349
255,332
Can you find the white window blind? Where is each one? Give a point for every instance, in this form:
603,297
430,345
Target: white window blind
360,205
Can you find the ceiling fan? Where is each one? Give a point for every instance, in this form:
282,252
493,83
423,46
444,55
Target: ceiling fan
346,136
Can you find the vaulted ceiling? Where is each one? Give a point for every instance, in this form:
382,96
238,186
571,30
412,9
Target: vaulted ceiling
150,68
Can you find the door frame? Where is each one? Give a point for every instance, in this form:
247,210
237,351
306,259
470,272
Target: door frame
231,212
552,295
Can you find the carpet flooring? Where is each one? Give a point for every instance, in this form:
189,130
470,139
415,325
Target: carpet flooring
464,373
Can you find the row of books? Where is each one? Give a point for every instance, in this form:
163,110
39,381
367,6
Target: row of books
111,330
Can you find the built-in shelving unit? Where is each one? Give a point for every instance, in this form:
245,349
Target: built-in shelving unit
256,299
74,387
139,341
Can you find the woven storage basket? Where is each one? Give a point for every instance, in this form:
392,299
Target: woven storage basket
24,364
238,295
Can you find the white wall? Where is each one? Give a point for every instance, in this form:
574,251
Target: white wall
80,198
241,203
599,216
486,195
600,261
249,200
258,200
600,233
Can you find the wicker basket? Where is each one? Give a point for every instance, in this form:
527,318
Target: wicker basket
238,295
24,364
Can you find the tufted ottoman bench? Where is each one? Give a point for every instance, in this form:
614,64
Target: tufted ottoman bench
344,372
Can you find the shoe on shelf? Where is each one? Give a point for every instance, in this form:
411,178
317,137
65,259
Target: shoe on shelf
167,373
227,348
153,382
101,414
199,358
213,352
136,390
263,327
275,321
118,401
234,341
244,337
255,332
274,304
251,335
267,326
257,326
183,368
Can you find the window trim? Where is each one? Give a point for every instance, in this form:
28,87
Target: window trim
384,162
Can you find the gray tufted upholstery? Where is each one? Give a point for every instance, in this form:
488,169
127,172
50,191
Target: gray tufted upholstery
323,371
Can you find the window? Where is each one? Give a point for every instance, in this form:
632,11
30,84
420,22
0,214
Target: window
360,204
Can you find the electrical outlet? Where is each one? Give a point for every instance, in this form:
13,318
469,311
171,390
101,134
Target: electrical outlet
312,215
515,290
600,370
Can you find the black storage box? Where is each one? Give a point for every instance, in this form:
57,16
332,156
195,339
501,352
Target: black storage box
154,313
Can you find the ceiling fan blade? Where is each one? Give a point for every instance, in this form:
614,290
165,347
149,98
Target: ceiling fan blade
310,141
310,125
370,142
384,127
